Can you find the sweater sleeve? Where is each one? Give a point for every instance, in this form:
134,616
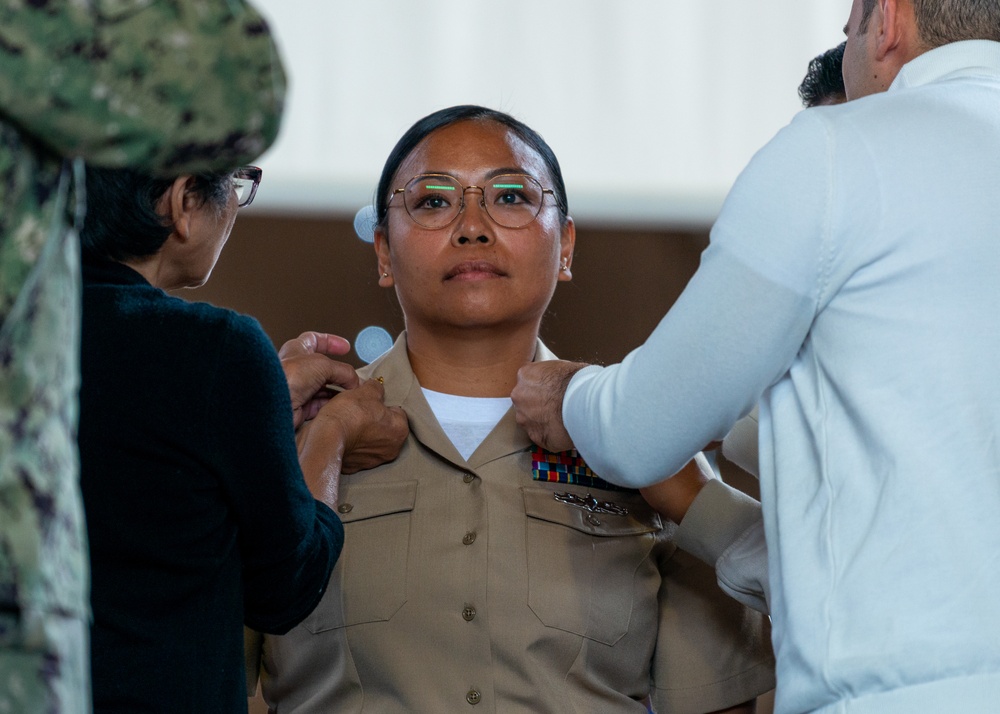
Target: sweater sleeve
724,528
705,365
289,541
711,652
734,331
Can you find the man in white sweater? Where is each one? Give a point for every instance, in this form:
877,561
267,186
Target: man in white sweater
852,286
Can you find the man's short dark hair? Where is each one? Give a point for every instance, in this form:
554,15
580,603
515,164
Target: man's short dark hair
940,22
867,8
824,80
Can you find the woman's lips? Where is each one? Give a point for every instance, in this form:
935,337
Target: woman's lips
474,270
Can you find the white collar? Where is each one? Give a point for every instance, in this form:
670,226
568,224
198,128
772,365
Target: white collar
955,59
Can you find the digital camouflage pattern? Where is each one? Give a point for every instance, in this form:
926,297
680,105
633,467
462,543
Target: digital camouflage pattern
170,86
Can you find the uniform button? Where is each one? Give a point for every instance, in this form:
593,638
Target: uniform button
473,697
345,508
469,538
469,613
468,478
593,520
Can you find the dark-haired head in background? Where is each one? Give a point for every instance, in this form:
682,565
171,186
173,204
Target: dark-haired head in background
824,81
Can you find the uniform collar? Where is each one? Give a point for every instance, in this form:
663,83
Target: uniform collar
402,389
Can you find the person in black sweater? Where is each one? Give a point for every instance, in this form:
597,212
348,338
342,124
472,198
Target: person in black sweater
198,514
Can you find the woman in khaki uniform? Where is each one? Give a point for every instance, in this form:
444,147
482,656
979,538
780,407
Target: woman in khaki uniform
480,573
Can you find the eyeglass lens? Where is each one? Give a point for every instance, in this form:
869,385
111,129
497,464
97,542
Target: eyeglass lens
512,200
245,182
243,188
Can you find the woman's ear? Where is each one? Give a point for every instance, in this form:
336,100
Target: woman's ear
381,244
567,242
177,205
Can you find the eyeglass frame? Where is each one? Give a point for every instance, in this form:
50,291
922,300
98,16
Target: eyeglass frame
482,199
248,173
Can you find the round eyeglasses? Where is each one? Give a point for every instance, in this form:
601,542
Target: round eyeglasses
246,179
436,200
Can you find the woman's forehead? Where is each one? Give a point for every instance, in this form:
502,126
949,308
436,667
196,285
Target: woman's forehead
470,150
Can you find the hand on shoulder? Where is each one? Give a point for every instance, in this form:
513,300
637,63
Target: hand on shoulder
538,398
309,369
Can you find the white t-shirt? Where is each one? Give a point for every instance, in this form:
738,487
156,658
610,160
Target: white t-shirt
466,420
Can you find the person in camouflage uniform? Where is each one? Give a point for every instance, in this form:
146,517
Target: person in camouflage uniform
167,86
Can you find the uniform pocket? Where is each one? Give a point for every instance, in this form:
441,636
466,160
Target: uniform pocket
369,582
582,562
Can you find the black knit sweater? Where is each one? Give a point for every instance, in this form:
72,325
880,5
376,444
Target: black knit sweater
198,516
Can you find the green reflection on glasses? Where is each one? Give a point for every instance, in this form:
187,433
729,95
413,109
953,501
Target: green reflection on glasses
510,200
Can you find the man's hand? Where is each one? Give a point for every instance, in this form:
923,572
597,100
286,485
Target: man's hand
538,397
351,432
308,369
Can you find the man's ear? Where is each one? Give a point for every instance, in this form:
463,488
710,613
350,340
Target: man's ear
381,244
177,205
889,31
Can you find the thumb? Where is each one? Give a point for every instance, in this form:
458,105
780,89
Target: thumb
315,343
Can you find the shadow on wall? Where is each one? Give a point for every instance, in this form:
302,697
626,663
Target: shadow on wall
297,274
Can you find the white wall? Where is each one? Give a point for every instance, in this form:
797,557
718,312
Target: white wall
653,106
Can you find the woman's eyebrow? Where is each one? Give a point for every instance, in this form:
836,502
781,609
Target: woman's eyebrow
507,170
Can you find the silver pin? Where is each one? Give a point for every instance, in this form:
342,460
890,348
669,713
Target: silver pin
590,504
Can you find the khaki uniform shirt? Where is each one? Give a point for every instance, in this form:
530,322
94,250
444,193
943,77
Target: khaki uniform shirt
169,86
470,586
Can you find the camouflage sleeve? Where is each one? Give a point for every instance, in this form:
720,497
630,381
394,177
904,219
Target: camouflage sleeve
171,86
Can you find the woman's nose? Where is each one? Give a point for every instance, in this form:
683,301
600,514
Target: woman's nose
474,225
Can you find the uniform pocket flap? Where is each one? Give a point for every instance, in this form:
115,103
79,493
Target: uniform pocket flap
360,502
603,514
